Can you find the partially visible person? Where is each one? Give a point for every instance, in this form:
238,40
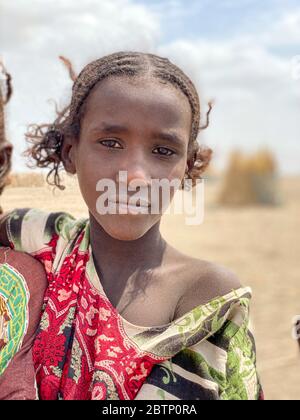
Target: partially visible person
22,286
5,146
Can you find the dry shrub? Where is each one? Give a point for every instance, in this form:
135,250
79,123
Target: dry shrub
26,180
250,179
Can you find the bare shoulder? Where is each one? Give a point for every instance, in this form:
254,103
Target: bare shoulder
204,281
216,278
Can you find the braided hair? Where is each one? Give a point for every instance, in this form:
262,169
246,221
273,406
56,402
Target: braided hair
5,94
46,140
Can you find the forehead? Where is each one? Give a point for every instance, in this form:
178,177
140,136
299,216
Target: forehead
135,99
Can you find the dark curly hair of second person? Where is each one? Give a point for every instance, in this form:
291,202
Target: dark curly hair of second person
46,139
5,146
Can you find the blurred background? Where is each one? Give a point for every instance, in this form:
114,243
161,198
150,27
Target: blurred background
239,53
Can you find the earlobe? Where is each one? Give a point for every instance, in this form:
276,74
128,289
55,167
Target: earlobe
67,156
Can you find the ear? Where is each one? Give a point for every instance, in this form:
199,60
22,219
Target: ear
68,153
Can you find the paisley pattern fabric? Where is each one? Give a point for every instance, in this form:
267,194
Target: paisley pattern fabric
84,349
14,298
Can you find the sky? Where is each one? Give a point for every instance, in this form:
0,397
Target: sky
237,52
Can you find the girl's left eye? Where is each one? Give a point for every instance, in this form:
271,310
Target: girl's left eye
110,143
164,151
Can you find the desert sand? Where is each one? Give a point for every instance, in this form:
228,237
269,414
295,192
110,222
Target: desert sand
260,244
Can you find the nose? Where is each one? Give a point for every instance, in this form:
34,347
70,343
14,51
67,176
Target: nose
136,169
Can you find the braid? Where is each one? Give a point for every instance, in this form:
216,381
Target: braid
47,139
5,153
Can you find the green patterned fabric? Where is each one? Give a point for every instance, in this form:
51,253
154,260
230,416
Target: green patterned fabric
219,358
14,298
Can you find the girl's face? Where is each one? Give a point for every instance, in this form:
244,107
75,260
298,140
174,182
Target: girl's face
140,126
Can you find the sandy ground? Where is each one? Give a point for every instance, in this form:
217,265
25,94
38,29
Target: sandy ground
261,244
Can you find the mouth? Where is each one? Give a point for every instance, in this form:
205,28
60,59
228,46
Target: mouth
125,207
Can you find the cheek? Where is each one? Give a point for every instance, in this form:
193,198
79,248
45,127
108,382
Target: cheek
87,170
178,170
91,166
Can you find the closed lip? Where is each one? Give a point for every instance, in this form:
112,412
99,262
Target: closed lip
142,203
129,208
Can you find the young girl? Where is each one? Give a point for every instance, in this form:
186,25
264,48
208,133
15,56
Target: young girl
22,285
127,316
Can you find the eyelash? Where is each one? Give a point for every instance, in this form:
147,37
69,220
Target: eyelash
159,147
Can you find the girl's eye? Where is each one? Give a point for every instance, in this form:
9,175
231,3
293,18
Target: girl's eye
114,144
164,151
110,143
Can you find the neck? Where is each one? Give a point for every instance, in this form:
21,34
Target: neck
114,257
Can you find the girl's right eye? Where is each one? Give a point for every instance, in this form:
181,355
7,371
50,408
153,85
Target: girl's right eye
110,143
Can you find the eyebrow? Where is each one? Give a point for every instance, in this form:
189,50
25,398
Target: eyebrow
110,128
116,128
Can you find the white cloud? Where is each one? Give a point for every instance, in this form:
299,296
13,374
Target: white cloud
286,31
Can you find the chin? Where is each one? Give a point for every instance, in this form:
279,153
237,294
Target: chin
126,227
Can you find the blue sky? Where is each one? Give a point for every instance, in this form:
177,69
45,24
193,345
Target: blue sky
238,52
216,19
